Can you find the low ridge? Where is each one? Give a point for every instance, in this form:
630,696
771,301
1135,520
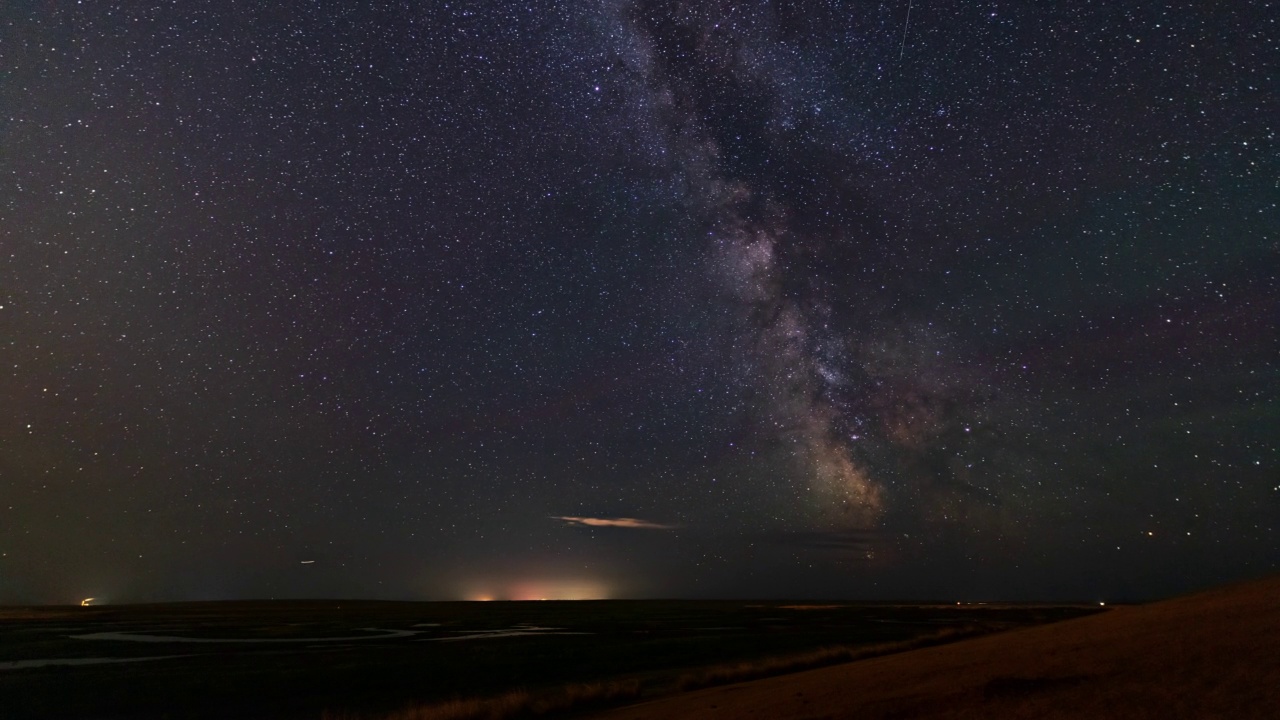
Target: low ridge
1211,654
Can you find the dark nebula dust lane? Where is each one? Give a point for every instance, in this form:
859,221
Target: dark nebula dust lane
637,298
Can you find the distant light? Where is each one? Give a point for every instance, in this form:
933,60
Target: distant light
306,562
1101,604
538,589
86,602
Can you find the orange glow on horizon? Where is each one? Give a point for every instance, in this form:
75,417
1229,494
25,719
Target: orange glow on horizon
548,589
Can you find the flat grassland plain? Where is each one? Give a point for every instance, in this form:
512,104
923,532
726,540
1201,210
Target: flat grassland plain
361,659
1214,654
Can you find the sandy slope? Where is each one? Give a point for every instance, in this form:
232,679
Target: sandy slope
1211,655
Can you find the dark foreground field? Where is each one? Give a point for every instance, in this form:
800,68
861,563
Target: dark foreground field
1210,655
305,659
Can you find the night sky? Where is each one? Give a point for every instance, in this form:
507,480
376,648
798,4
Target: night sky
614,298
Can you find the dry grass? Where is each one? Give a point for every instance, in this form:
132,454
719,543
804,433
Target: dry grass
519,703
1210,655
577,697
822,657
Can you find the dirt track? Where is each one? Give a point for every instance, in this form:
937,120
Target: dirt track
1210,655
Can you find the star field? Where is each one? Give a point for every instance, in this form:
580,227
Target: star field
652,298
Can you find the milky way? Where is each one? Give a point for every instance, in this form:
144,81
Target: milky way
843,390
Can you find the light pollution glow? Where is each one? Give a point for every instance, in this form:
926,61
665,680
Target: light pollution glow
540,589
